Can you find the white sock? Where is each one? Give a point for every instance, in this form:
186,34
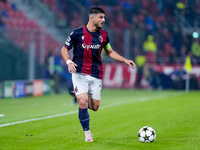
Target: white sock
87,132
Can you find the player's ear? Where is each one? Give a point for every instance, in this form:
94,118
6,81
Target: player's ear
92,18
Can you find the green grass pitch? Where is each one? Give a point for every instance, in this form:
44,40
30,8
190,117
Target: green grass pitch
51,122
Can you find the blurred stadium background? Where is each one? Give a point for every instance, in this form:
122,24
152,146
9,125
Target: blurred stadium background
157,34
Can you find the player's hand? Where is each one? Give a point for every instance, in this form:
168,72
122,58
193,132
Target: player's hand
72,67
130,63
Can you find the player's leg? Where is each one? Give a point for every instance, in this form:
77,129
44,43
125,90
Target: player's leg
93,104
94,96
82,100
84,115
80,88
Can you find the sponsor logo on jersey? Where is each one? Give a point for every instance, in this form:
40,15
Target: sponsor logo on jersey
97,46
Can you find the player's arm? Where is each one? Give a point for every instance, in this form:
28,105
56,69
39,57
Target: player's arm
114,55
71,64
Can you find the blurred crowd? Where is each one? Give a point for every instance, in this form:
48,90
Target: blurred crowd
2,24
155,32
22,31
159,37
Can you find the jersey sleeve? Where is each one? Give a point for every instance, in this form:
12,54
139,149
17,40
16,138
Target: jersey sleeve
107,40
71,40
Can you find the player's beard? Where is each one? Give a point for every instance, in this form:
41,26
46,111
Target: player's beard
98,26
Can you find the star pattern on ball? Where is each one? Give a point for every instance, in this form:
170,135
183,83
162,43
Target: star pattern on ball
146,137
139,135
153,133
145,129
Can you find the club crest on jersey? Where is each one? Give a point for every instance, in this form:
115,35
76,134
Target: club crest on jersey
100,39
76,90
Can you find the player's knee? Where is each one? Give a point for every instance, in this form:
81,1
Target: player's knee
83,102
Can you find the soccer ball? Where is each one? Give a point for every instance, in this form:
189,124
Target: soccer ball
147,134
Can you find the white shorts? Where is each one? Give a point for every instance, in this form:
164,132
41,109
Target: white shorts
84,83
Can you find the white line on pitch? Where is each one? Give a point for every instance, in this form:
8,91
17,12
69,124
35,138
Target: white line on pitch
103,107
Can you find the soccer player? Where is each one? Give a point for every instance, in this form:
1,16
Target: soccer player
86,66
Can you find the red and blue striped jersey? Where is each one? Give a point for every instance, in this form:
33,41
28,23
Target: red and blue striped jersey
87,47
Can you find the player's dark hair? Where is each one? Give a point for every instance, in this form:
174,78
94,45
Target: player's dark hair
96,10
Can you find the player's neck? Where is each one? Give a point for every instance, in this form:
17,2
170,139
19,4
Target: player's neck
91,27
